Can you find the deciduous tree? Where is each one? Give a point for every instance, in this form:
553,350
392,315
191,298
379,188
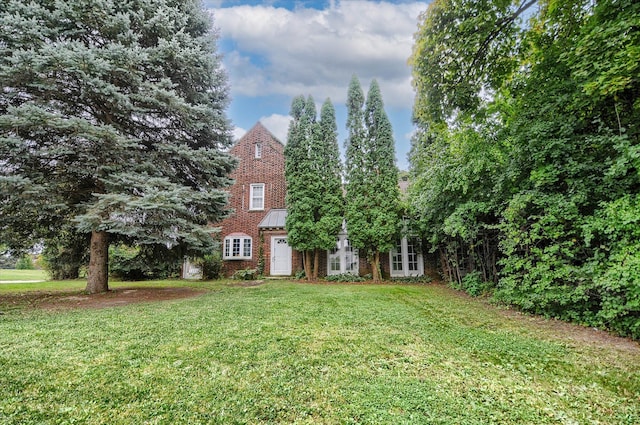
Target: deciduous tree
530,132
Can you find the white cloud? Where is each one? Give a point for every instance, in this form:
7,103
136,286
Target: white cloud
238,132
278,125
289,52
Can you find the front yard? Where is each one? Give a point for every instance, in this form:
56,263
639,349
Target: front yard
296,353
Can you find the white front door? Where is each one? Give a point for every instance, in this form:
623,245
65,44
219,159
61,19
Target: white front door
280,256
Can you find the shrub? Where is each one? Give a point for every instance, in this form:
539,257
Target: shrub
25,263
345,277
246,274
412,279
211,266
138,263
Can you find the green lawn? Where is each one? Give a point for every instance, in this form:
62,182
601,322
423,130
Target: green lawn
11,274
294,353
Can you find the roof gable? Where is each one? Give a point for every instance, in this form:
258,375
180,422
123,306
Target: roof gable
258,132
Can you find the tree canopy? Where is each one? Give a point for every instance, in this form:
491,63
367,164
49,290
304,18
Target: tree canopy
312,173
372,193
526,159
112,118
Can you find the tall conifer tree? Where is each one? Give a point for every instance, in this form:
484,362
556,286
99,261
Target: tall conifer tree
312,171
330,198
112,118
372,194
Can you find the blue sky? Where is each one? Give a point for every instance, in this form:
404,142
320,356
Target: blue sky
276,50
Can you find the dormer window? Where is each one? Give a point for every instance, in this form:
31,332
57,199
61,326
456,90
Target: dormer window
258,151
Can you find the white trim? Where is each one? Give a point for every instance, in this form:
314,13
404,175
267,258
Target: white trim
237,247
343,258
280,262
256,203
258,151
408,259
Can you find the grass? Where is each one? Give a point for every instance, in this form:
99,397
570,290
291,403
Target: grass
12,274
294,353
80,284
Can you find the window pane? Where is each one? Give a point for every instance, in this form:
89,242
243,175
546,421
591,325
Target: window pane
226,247
396,257
258,150
335,263
247,248
412,256
236,247
351,257
257,197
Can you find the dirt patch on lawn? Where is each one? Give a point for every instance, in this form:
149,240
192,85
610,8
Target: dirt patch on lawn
116,297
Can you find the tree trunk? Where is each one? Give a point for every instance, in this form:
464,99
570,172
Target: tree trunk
375,267
316,263
308,265
98,274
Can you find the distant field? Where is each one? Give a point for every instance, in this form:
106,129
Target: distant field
309,354
23,275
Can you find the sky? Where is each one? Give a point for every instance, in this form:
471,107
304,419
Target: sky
276,50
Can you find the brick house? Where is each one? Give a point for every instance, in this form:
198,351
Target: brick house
254,235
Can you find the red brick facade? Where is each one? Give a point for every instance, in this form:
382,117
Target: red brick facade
266,167
261,162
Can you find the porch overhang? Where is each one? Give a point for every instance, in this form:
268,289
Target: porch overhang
275,219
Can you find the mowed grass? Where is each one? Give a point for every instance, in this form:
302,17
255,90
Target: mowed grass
295,353
12,274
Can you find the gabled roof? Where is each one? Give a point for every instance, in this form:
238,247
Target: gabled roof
259,128
275,219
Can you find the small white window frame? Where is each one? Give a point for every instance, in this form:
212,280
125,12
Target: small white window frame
258,150
244,249
343,258
256,203
407,256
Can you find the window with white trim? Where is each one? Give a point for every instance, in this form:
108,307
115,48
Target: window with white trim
237,248
256,196
406,259
258,151
342,258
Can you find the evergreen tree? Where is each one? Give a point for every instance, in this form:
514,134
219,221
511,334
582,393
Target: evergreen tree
300,183
372,193
330,200
112,119
312,172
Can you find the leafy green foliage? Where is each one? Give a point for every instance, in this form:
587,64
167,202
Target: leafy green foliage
25,263
137,263
344,277
66,254
412,279
211,266
528,173
246,274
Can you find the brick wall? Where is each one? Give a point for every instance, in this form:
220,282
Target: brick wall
269,169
